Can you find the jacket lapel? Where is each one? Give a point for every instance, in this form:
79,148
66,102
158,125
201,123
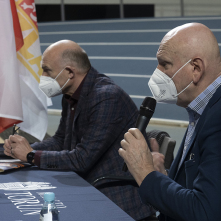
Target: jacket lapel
174,166
87,87
187,151
190,146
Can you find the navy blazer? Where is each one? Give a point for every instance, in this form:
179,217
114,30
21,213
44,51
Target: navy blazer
192,192
89,145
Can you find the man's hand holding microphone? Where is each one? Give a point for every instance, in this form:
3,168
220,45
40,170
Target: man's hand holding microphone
135,151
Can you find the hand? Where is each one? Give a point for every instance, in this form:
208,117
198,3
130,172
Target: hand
158,158
8,148
19,147
136,155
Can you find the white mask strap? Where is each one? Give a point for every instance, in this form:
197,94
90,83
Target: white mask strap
181,68
65,83
59,73
184,89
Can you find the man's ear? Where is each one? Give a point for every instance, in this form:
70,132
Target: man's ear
198,69
71,71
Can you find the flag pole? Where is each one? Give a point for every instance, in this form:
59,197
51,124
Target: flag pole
182,7
62,11
121,9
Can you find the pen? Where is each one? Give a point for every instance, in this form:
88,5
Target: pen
14,131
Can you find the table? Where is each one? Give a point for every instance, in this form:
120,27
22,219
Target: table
21,193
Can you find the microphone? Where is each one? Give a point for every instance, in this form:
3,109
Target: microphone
147,109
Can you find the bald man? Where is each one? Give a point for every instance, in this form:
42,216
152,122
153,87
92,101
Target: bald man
95,115
188,74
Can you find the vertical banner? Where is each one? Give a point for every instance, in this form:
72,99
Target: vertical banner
27,100
10,93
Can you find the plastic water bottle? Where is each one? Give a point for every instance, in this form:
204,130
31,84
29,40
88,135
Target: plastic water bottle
49,211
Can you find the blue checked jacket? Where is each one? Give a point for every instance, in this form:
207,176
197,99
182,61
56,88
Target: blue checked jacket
90,145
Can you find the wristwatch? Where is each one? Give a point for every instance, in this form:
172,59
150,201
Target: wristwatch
30,156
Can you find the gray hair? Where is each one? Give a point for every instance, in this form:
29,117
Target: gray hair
76,57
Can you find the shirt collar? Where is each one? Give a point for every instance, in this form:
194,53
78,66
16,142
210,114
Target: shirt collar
76,95
198,105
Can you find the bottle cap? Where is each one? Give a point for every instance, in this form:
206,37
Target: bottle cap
49,196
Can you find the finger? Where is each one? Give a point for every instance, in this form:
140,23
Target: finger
124,144
121,152
154,145
7,153
128,137
136,133
12,154
13,145
7,149
15,138
158,157
12,138
7,144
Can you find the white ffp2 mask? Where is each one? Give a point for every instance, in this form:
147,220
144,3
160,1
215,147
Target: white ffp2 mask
163,87
50,86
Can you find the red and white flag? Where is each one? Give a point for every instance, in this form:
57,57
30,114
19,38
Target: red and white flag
20,97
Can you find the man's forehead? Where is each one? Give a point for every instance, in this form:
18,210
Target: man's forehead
167,48
163,51
47,60
44,63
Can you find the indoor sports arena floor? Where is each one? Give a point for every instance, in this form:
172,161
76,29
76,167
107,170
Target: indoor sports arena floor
125,50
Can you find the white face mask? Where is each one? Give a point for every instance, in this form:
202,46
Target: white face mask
50,86
163,87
